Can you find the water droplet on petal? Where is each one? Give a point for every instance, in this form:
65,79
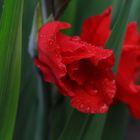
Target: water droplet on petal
88,109
81,106
111,93
103,108
51,41
113,81
95,91
75,38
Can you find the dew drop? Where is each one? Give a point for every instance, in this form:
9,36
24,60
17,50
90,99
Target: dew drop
88,109
51,41
113,81
103,108
93,92
75,38
111,93
81,106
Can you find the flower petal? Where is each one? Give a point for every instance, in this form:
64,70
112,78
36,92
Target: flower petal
96,29
49,51
73,49
132,37
95,99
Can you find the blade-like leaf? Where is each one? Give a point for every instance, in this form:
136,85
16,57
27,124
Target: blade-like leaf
1,7
116,123
10,65
116,4
70,16
75,126
135,10
94,128
90,8
115,130
29,118
116,39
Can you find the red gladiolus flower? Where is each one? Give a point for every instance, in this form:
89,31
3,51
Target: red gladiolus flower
80,70
96,30
128,91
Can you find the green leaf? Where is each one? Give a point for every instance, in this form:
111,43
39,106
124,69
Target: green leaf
75,126
135,10
1,7
10,65
90,8
116,6
70,16
116,39
29,123
115,130
116,124
58,119
94,127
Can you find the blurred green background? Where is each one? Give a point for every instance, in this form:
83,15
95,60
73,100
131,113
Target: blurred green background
34,108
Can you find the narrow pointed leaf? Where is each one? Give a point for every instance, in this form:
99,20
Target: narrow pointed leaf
94,127
10,65
114,130
75,126
116,40
29,123
116,123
